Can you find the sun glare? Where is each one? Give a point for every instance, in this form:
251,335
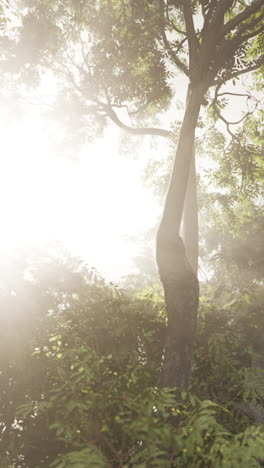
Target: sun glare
90,204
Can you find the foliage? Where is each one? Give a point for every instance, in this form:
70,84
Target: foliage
125,54
228,339
79,369
102,54
80,359
231,194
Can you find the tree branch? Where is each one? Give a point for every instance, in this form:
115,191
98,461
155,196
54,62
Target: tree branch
100,107
212,33
228,50
221,117
251,24
85,56
208,7
241,72
191,35
239,38
166,7
217,17
136,111
174,57
234,94
134,130
253,33
250,10
215,11
179,45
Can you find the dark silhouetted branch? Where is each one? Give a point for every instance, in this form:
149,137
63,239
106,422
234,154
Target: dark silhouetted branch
166,7
174,57
250,10
221,117
243,71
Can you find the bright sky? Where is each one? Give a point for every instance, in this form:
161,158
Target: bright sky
94,203
91,203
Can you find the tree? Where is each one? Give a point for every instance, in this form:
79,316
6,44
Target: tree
230,197
119,54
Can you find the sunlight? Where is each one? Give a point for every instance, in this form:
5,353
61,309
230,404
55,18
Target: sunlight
91,204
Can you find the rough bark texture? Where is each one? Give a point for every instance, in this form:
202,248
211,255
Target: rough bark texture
179,280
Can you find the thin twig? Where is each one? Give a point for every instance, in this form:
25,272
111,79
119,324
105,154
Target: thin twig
240,72
172,54
221,117
234,94
178,30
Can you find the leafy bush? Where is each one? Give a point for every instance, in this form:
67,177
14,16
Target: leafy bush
80,363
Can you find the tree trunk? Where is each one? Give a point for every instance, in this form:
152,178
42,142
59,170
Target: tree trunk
179,280
190,218
190,212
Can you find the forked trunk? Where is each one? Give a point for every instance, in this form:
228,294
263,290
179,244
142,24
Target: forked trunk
178,277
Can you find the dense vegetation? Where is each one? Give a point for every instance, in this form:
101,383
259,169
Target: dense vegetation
81,359
80,362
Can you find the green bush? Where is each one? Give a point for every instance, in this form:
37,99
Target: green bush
80,363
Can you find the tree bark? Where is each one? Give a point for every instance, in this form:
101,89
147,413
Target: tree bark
190,212
190,218
179,280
